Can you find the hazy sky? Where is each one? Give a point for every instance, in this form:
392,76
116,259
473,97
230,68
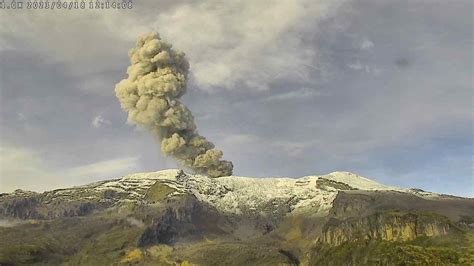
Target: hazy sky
285,88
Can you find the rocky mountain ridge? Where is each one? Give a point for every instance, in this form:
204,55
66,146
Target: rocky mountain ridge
231,194
181,218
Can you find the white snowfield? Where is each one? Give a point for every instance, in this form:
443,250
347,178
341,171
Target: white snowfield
248,195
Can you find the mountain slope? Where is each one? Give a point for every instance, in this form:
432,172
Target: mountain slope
177,218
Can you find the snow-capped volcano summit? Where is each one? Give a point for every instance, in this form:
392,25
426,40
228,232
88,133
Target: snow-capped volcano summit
175,217
241,195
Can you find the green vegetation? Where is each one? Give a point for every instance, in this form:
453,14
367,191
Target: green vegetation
46,241
107,247
158,192
235,253
199,235
110,238
443,250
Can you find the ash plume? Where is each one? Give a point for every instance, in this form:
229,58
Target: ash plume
156,80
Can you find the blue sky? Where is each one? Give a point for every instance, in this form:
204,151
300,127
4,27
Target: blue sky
285,88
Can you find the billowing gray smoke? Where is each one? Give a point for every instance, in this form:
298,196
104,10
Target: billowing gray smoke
156,80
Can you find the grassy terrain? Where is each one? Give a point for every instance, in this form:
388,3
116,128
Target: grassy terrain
47,241
201,236
107,239
107,247
457,249
235,253
158,192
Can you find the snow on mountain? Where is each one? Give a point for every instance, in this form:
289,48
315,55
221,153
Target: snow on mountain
245,195
358,182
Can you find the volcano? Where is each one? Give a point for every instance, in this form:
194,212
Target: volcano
171,217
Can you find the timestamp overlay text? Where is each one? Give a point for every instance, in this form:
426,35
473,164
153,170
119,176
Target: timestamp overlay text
65,4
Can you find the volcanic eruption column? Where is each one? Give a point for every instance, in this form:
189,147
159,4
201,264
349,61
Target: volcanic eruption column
156,80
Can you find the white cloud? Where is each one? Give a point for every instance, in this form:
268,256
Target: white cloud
367,44
107,168
60,36
358,66
236,144
99,121
20,166
247,43
229,44
26,169
21,117
300,94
